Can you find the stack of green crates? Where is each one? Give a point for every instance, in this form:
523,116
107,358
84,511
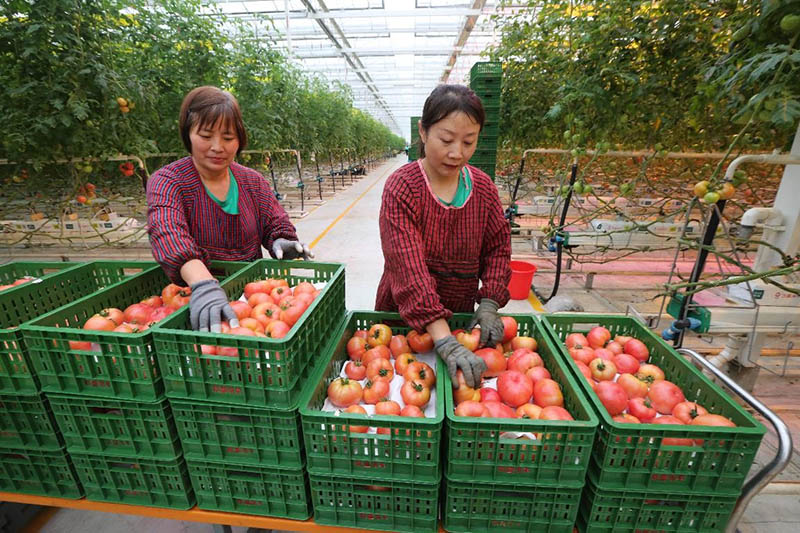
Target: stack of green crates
108,400
518,474
237,415
413,148
32,451
486,80
639,481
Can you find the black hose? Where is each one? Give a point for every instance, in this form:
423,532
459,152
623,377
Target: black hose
559,242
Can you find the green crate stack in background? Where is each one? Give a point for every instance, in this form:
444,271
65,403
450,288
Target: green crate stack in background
518,474
637,480
486,80
32,449
237,416
413,148
387,481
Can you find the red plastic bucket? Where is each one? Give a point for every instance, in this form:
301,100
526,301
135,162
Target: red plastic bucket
521,279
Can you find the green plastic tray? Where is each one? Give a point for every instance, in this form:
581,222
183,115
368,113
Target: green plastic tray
635,510
486,69
489,507
42,472
31,300
125,365
239,435
251,489
375,503
26,422
135,481
10,272
632,456
116,427
410,451
477,451
266,371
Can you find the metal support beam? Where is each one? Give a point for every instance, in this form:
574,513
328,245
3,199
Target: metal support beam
332,14
469,23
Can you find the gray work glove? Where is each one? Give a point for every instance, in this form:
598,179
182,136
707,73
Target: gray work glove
286,249
208,305
489,321
459,358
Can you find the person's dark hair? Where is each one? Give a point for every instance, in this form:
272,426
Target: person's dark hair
204,106
446,99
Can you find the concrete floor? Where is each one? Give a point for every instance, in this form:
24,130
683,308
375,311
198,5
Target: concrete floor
345,229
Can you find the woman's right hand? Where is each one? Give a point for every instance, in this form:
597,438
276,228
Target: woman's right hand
208,306
458,358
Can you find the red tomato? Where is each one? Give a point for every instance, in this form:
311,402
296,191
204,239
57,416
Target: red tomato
379,352
171,291
153,301
713,420
464,392
555,412
538,373
584,369
626,364
355,370
399,345
626,418
650,374
251,324
547,392
242,309
489,395
637,348
379,335
257,287
123,328
633,386
670,441
495,362
499,410
304,287
415,393
277,329
688,411
603,369
421,372
243,331
292,313
521,362
387,407
515,388
622,339
665,395
375,391
266,312
258,298
642,409
509,328
412,411
420,343
524,342
576,340
114,314
359,410
380,369
471,408
356,347
598,336
361,333
584,355
138,313
614,347
529,410
279,293
343,392
401,363
612,396
470,340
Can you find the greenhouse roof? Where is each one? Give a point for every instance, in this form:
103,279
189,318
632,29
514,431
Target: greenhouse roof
391,52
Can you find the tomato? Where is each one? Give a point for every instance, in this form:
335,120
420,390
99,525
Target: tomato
355,370
379,352
602,369
471,408
509,328
305,298
421,372
257,287
584,369
207,349
343,392
379,335
622,339
123,328
266,312
642,409
361,333
415,393
375,391
499,410
688,411
153,301
279,293
665,395
114,314
547,392
420,342
650,374
470,340
700,188
713,420
584,355
626,364
598,336
524,342
637,348
412,411
464,392
521,362
99,323
576,340
612,396
515,388
633,386
242,309
626,418
251,324
304,287
399,345
401,363
727,191
538,373
293,312
495,362
380,369
138,313
171,292
614,347
555,412
670,441
359,410
277,329
258,298
387,407
529,410
489,395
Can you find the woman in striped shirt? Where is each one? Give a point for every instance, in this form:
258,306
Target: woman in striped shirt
446,243
205,206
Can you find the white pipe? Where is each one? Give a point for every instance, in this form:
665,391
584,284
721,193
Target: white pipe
775,159
729,352
768,216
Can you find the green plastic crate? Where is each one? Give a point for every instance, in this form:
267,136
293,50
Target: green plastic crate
488,507
632,456
31,300
486,69
410,451
116,427
26,422
266,371
477,451
635,510
125,365
251,489
373,503
489,85
42,472
135,481
10,272
240,435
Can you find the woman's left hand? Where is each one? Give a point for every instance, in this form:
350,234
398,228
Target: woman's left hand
286,249
489,321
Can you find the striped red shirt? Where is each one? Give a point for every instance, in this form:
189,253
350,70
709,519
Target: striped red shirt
186,223
436,255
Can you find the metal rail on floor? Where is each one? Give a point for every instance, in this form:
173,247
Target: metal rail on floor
774,467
